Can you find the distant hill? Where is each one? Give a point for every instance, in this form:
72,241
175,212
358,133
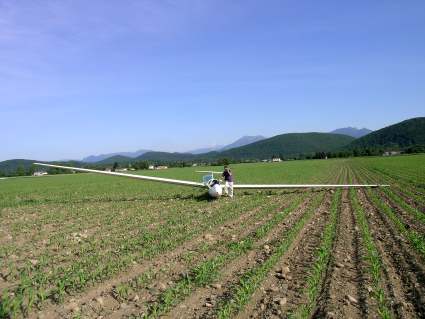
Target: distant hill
101,157
398,136
121,157
291,144
352,131
206,149
116,158
168,157
10,166
244,140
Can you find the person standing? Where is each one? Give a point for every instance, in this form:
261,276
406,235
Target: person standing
228,178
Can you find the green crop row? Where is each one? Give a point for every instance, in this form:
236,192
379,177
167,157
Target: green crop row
131,286
396,188
406,187
218,245
372,256
208,270
322,258
418,215
92,265
251,280
417,240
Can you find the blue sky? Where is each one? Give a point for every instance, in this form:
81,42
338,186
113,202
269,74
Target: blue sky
88,77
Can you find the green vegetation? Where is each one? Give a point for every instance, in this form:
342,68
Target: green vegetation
322,257
204,273
407,136
395,137
250,281
373,258
417,240
290,145
61,235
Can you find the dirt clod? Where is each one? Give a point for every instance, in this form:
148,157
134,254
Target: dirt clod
73,307
161,286
100,300
209,237
285,270
216,286
351,299
282,301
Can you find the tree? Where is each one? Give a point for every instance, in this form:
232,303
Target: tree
32,169
223,161
20,171
115,166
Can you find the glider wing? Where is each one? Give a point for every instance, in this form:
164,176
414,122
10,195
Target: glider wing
147,178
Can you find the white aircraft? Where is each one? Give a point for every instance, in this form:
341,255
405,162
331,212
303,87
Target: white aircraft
214,186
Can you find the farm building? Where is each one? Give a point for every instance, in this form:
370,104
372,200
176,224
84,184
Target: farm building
39,173
391,153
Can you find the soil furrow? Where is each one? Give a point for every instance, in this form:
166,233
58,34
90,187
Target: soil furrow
178,266
406,216
404,270
346,272
138,269
201,302
282,290
405,192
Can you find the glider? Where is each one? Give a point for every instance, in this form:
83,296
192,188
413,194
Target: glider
215,188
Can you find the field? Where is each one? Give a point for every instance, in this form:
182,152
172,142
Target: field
90,246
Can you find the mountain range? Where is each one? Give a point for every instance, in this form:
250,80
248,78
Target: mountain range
244,140
397,136
401,136
101,157
240,142
287,145
352,131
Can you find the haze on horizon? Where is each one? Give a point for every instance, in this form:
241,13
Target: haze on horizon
91,77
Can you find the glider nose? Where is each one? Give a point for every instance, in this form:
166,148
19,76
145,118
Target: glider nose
215,191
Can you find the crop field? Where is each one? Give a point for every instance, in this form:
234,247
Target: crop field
93,246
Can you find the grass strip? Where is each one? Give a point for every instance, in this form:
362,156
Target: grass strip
322,258
208,270
372,256
253,278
